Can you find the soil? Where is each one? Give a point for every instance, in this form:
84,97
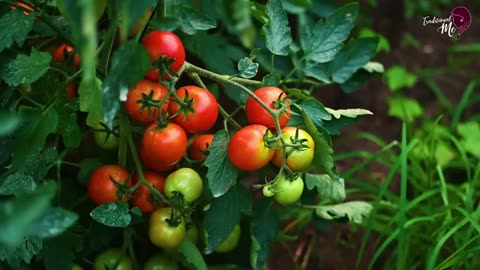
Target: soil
337,248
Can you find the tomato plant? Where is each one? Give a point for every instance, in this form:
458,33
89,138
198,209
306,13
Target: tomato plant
157,79
204,110
101,185
299,149
165,229
164,44
247,149
112,258
275,99
140,103
186,182
198,149
143,198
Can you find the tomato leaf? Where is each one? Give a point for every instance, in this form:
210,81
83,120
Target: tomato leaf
26,68
265,227
322,160
22,253
90,93
14,27
68,126
271,80
221,174
58,253
247,68
191,253
327,188
314,109
17,183
114,214
192,20
224,214
353,212
31,140
322,42
14,227
355,82
53,222
9,122
122,76
87,166
277,32
351,58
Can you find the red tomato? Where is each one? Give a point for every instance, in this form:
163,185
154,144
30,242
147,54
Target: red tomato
152,164
65,52
141,200
165,146
24,6
247,150
100,187
162,43
71,90
199,146
256,114
136,109
205,109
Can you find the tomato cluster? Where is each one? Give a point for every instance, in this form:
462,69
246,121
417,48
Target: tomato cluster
174,121
254,146
169,117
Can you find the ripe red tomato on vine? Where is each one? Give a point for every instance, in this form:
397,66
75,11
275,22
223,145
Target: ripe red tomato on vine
164,145
200,146
101,188
162,43
247,149
135,103
141,198
204,109
272,97
65,54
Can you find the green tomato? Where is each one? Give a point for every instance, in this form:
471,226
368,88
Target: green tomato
231,242
267,191
104,139
160,262
99,8
288,191
109,258
162,233
185,181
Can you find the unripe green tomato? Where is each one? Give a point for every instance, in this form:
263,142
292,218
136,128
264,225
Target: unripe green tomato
77,267
288,192
160,262
267,191
99,8
105,140
187,182
108,259
231,242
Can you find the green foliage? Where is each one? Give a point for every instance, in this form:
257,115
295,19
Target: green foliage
354,211
26,69
277,31
114,214
398,77
193,256
14,27
221,175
